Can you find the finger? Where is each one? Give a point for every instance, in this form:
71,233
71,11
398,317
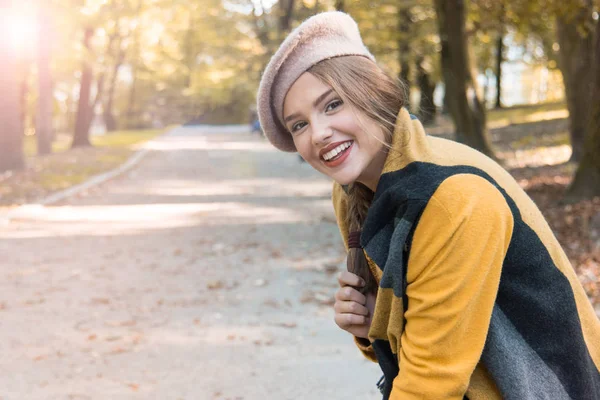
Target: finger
346,278
350,307
348,293
346,321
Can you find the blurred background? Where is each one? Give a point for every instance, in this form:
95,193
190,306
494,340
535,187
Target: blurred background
84,84
92,67
95,66
515,79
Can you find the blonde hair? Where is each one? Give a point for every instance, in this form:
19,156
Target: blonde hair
365,86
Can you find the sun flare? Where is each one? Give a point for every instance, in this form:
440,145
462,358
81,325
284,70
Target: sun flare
22,29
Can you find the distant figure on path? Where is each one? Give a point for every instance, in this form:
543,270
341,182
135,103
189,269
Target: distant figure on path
255,123
256,127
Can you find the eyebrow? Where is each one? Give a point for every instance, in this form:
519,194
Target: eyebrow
315,104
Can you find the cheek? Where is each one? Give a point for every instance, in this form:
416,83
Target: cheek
303,146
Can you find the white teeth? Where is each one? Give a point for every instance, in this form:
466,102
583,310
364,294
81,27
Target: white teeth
332,153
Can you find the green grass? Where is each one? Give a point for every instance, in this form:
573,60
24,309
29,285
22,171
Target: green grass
125,138
117,139
66,167
526,113
30,145
531,141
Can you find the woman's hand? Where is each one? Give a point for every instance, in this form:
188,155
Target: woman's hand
353,310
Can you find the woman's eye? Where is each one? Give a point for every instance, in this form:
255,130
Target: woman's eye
297,126
333,105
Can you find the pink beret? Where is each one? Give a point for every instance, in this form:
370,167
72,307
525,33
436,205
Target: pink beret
320,37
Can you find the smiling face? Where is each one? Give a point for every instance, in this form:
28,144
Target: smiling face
332,136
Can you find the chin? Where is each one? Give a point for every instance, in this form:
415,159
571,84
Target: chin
341,177
344,180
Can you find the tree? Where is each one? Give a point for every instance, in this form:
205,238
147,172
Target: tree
136,65
11,127
499,58
43,122
465,107
81,135
286,16
586,183
575,37
108,112
120,13
489,25
404,41
427,109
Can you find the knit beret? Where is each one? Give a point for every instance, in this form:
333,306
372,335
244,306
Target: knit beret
320,37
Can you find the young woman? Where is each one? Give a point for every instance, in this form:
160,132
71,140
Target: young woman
458,288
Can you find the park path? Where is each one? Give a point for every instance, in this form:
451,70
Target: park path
206,272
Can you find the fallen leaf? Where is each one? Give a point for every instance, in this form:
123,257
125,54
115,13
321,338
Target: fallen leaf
134,386
271,303
276,254
118,350
99,300
330,268
316,297
213,285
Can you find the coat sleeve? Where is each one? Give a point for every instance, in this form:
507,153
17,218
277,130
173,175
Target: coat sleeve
453,275
339,199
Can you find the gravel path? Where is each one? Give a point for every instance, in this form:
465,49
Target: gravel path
206,272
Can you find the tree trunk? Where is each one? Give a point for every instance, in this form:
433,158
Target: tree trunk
131,112
404,23
11,127
84,112
43,121
586,183
499,59
447,100
119,56
486,90
109,118
575,61
427,109
285,16
465,107
23,91
94,103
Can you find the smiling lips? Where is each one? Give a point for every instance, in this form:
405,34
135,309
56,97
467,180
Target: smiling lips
336,153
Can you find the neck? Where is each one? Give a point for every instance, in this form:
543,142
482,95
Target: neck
370,177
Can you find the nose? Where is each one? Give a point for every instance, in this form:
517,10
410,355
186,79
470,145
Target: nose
322,133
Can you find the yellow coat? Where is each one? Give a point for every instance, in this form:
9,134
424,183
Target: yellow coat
476,298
